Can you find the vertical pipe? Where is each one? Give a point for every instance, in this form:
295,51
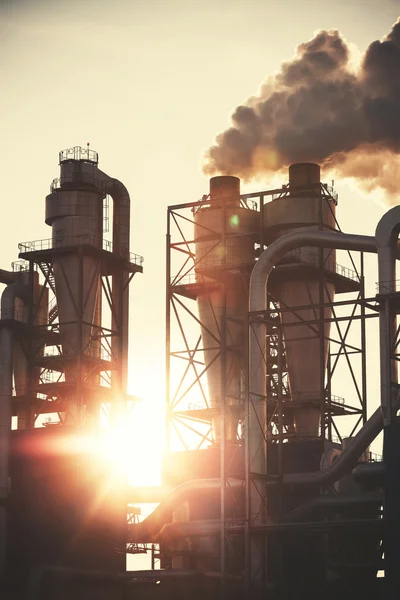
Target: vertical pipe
222,404
386,236
280,421
329,394
257,440
168,335
321,324
363,342
247,557
223,461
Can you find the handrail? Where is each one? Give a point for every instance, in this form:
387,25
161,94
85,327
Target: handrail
78,153
387,287
245,203
21,265
236,260
306,258
81,240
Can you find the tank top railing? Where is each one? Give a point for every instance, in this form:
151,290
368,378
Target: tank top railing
235,259
79,153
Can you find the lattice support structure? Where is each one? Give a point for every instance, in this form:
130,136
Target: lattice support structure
192,414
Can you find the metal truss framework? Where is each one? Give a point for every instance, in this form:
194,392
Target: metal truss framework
99,371
189,415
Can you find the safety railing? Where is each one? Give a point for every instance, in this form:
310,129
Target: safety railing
19,266
91,351
237,259
78,153
373,457
315,190
189,279
246,203
194,406
387,287
331,191
336,399
306,258
81,240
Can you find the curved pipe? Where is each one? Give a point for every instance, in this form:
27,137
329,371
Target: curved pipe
149,527
369,474
257,376
337,503
121,212
172,531
120,287
156,522
7,277
347,459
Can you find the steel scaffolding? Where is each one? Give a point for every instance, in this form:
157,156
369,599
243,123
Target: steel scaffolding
189,415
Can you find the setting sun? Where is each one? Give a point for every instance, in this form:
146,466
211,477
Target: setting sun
135,447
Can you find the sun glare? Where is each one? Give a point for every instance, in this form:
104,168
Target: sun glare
135,447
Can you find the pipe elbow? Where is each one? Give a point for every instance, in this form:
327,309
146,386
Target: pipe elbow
388,228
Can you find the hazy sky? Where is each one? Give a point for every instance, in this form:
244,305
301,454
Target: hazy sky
149,84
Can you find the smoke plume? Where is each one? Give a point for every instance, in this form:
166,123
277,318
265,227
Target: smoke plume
318,109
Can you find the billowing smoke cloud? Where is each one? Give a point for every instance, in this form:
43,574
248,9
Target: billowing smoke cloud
318,109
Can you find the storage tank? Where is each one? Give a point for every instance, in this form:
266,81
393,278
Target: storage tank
224,247
302,206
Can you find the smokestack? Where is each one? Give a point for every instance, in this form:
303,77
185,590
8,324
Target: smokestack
304,175
318,109
225,189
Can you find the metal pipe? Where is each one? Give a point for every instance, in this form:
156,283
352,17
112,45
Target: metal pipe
369,474
337,503
386,236
120,287
213,527
346,460
121,210
149,527
257,368
257,421
7,277
171,531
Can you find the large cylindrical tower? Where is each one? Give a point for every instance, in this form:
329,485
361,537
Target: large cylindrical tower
224,247
302,206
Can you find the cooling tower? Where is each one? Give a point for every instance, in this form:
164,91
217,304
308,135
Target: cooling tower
302,207
224,258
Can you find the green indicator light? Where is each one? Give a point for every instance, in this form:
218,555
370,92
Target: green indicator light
234,221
